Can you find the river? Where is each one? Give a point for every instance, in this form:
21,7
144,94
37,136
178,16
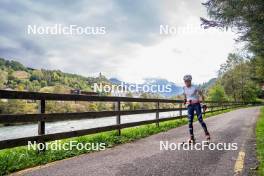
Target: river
18,131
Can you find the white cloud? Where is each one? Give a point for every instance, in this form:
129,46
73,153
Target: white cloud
131,50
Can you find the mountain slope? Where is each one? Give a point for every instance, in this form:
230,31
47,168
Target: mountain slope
16,76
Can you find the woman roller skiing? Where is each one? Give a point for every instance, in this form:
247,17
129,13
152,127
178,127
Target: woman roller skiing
192,100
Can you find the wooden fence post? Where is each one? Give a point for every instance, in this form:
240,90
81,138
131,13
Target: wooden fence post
41,124
118,117
157,113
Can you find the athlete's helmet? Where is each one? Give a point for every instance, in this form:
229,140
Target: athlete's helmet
187,78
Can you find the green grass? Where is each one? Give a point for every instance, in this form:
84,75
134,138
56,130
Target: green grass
19,158
260,142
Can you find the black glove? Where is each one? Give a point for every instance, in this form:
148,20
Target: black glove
204,107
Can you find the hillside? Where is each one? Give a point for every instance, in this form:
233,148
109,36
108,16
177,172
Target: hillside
16,76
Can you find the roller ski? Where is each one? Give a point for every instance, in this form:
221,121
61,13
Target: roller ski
190,141
207,138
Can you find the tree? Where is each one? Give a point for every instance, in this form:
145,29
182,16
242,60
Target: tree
15,65
55,76
2,63
3,78
217,93
17,107
257,69
36,75
20,87
34,86
247,19
236,78
229,76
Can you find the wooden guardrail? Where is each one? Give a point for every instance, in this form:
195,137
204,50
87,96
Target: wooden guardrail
41,117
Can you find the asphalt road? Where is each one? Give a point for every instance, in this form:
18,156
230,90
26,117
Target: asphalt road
144,156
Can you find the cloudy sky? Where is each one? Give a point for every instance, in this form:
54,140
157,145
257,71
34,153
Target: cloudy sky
132,48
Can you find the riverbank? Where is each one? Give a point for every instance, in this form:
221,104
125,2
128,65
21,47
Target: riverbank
19,158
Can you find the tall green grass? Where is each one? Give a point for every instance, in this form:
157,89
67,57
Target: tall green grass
260,142
18,158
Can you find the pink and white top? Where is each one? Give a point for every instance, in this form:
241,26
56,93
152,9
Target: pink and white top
191,93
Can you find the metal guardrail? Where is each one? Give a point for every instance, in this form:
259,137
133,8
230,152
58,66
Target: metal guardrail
41,117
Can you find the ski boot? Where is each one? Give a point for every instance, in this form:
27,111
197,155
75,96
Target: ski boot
208,138
191,140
